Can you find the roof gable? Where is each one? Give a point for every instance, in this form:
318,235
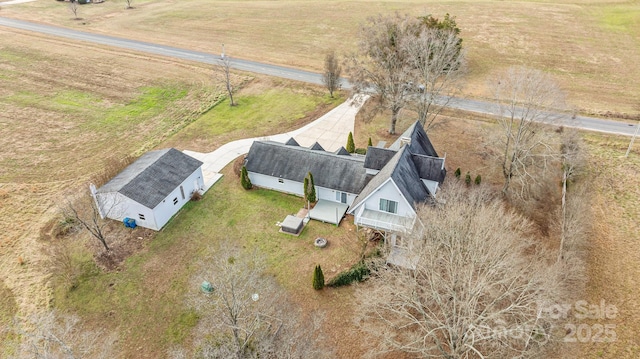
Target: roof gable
342,152
152,177
403,172
418,141
407,178
316,147
292,142
378,180
337,172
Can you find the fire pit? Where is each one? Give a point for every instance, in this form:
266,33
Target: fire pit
320,242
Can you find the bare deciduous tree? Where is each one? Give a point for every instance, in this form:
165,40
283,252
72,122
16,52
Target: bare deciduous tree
84,211
527,101
438,66
223,71
476,290
245,316
128,3
73,6
381,66
573,163
408,61
49,335
332,72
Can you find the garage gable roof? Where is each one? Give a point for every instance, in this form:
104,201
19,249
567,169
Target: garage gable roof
152,177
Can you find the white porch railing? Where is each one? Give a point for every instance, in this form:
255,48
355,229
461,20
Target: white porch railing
377,224
385,221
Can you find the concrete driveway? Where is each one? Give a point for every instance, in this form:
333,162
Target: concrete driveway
330,131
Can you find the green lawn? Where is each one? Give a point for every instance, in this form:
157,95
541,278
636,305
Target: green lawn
278,107
146,300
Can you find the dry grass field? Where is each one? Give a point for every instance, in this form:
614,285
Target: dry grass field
614,252
64,111
591,47
64,105
67,111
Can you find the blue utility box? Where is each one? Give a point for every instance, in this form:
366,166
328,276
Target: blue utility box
129,222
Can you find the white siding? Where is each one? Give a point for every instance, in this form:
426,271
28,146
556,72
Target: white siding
167,209
116,206
389,191
296,188
330,195
286,186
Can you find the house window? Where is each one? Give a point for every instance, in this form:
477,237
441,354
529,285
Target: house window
388,205
280,180
141,216
175,201
182,191
341,197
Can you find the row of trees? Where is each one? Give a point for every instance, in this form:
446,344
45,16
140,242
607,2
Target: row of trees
408,62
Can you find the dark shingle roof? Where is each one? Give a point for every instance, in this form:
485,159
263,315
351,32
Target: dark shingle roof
377,180
406,165
401,169
152,177
377,157
407,178
431,168
292,142
342,173
420,143
342,152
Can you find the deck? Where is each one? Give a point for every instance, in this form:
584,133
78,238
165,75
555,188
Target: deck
328,211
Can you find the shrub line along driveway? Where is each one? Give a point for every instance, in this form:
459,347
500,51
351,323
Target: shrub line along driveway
330,131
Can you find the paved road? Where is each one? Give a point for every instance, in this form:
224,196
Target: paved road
583,122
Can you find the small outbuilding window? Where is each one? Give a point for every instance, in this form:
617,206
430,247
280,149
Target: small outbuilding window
175,201
141,216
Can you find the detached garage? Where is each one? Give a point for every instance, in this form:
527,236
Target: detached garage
152,189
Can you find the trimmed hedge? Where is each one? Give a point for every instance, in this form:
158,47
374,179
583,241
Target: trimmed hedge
358,272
